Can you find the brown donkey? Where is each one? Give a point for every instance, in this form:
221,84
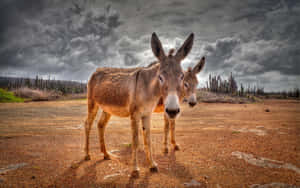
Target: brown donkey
135,95
190,83
189,93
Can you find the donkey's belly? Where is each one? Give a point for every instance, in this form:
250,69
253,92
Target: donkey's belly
115,110
113,97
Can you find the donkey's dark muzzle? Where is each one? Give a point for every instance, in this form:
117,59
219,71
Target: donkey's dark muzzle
172,113
192,104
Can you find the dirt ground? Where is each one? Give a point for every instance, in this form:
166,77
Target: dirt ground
221,145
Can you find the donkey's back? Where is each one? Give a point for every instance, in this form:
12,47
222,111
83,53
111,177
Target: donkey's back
113,90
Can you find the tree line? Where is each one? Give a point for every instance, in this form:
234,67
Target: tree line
214,84
217,84
65,87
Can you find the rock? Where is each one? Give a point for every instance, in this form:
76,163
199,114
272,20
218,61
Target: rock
11,167
264,162
192,183
111,176
114,151
258,132
274,185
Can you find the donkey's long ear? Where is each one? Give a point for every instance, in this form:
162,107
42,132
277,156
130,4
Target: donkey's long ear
185,49
199,66
157,48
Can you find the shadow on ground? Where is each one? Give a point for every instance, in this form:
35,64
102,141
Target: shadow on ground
168,166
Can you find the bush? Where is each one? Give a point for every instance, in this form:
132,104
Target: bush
6,96
36,95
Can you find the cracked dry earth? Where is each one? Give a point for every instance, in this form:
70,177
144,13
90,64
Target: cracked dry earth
221,145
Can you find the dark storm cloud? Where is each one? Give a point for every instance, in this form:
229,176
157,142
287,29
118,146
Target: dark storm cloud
66,37
258,41
12,10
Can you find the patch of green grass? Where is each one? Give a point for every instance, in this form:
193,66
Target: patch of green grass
81,99
235,132
6,96
126,145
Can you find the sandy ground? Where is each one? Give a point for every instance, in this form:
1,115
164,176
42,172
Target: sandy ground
221,145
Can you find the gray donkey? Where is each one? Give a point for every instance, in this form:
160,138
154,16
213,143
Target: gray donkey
135,95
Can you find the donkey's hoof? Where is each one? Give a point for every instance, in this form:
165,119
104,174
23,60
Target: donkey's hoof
165,151
176,148
135,173
154,169
107,157
87,158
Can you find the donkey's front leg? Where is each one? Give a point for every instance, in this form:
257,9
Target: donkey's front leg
135,120
166,131
172,126
104,118
146,120
92,112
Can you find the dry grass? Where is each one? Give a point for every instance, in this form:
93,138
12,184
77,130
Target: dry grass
45,95
210,97
36,95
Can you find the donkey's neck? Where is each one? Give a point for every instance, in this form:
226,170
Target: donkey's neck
147,86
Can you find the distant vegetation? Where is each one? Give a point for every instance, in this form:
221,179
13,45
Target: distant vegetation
40,89
217,89
217,84
65,87
6,96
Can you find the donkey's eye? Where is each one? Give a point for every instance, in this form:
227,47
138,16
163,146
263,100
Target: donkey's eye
186,85
161,79
181,76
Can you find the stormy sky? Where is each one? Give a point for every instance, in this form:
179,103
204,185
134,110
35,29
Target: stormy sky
257,40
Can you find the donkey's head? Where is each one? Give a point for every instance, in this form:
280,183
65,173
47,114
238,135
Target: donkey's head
171,75
191,82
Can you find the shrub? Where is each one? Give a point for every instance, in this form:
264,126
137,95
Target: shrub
6,96
36,94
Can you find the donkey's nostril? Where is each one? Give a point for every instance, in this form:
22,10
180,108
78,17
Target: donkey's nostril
172,112
192,104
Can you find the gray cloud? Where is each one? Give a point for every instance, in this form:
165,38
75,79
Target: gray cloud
130,59
62,38
258,41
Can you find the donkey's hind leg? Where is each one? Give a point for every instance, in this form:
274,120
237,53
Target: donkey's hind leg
92,112
104,118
